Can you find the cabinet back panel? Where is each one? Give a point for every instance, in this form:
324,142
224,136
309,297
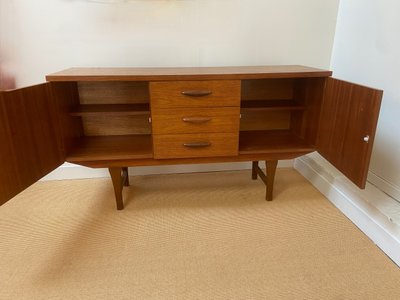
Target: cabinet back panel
123,92
264,120
119,125
267,89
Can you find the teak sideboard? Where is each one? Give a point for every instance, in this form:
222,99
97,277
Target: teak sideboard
117,118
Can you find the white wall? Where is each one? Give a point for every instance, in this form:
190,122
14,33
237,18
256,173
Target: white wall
40,37
366,50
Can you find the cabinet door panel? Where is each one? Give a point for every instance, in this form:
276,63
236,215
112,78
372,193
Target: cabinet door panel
30,130
348,122
9,182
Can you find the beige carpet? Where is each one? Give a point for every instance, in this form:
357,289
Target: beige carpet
197,236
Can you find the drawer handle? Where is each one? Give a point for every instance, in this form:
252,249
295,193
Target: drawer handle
196,120
197,93
197,144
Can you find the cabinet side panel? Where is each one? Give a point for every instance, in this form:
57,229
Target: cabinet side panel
66,97
349,118
308,92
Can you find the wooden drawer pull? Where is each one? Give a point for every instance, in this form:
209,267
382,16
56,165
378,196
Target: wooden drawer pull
197,144
197,93
196,120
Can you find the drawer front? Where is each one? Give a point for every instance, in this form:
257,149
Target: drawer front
196,120
195,145
171,94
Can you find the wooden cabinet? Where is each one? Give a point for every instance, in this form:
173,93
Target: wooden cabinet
126,117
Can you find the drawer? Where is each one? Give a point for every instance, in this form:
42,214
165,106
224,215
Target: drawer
195,145
196,120
171,94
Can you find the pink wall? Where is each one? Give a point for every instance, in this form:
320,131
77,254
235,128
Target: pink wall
7,81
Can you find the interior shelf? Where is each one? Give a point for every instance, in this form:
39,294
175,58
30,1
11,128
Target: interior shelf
93,148
272,141
111,109
272,105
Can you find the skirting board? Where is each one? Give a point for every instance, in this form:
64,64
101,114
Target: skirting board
354,203
385,185
71,171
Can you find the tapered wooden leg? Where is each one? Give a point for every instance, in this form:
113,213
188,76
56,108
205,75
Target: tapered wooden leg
254,170
125,175
268,178
270,167
117,180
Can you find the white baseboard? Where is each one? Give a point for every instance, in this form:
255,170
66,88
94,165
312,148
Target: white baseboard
71,171
356,204
385,185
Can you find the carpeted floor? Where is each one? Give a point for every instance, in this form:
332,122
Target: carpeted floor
196,236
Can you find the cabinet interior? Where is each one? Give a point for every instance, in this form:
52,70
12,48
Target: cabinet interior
111,120
279,115
106,120
114,108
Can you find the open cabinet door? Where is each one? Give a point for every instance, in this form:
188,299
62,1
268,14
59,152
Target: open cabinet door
349,116
30,138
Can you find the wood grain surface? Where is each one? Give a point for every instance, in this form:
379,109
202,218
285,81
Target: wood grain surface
189,73
264,120
31,138
116,125
173,145
349,114
107,148
117,92
267,89
111,110
172,121
169,94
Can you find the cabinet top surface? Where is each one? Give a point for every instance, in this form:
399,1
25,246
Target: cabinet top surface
186,73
